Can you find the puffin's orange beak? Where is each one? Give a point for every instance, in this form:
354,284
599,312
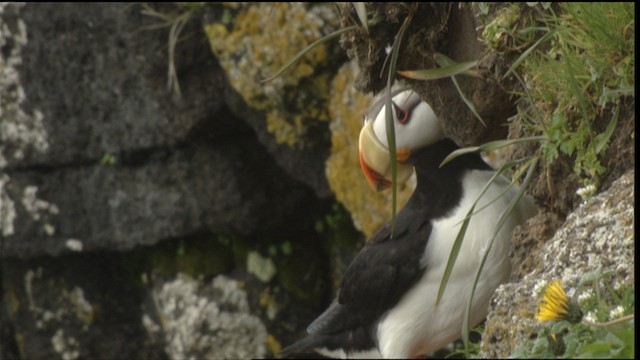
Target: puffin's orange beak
375,162
375,180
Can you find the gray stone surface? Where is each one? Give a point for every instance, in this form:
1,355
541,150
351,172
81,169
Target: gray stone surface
104,175
95,153
97,79
597,235
79,308
210,188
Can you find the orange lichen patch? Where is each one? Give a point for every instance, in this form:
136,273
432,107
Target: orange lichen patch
347,108
262,38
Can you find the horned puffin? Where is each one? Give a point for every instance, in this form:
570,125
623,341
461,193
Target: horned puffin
386,302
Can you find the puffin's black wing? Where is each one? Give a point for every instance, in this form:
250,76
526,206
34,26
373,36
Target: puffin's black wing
374,282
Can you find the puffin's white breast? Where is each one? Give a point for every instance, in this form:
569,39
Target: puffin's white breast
415,326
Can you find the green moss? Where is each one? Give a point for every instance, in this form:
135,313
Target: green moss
338,229
301,274
497,32
12,301
240,248
206,256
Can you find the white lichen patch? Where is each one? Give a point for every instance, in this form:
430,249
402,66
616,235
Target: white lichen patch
74,244
67,347
150,325
53,304
538,288
39,210
263,268
7,208
20,132
207,320
597,235
83,308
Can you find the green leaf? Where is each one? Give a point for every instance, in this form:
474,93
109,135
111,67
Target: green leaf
391,133
455,250
492,145
444,61
603,139
503,168
470,104
524,55
304,51
597,350
361,10
439,73
286,248
457,244
575,87
503,218
627,336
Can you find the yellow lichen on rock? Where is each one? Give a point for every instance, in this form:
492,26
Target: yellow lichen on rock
347,108
262,38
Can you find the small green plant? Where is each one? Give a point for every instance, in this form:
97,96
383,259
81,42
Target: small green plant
337,227
578,79
596,323
108,159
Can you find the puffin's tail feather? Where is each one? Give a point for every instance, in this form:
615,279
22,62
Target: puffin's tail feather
305,345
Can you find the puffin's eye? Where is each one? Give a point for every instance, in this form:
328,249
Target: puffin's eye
401,114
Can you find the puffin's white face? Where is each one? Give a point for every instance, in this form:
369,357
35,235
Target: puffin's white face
416,126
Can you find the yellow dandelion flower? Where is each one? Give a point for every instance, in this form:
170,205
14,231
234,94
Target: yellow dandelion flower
557,306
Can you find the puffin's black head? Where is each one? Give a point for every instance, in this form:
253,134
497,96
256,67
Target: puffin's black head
416,127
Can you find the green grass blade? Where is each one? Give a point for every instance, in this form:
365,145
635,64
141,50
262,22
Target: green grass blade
575,87
503,218
391,139
458,153
391,133
457,244
502,169
603,139
526,53
453,256
439,73
361,10
304,51
444,61
492,145
470,104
